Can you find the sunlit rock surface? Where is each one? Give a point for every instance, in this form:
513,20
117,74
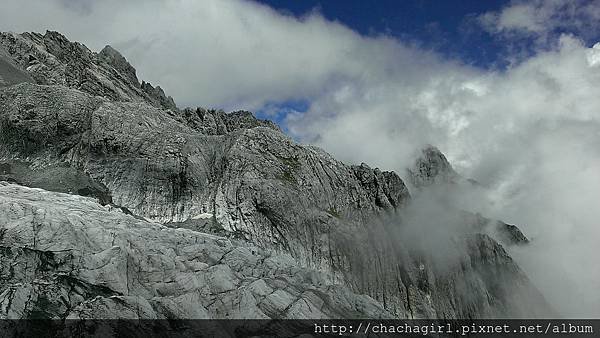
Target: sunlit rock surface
53,60
251,223
66,256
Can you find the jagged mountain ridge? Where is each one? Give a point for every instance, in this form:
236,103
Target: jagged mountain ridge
51,59
232,175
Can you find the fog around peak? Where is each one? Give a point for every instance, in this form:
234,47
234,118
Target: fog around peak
529,133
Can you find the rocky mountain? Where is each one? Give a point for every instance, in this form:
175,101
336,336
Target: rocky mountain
432,169
51,59
197,213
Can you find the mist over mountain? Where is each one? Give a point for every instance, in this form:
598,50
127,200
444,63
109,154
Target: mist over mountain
81,123
288,166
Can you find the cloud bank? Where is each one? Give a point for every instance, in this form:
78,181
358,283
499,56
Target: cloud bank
530,133
542,17
229,54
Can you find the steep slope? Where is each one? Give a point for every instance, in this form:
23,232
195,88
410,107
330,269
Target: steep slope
65,256
10,74
52,59
238,177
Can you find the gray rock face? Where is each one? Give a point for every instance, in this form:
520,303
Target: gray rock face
9,73
51,59
65,256
217,122
119,63
431,167
229,175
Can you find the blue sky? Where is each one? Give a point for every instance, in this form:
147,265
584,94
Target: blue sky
451,29
445,26
442,26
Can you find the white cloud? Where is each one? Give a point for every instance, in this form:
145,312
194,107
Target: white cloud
530,133
593,56
541,18
519,17
225,53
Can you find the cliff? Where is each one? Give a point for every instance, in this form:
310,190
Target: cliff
79,122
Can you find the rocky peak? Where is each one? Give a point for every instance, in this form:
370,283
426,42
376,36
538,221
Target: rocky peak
51,59
217,122
65,50
431,167
58,38
117,61
158,96
387,188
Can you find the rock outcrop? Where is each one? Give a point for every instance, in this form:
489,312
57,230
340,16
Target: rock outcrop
87,127
217,122
430,168
51,59
66,256
11,74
